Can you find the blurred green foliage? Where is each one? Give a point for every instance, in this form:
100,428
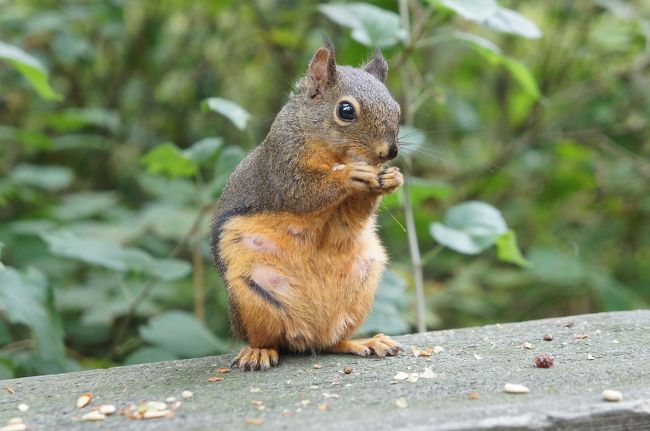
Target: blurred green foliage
110,164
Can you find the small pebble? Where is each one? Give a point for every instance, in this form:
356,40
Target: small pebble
23,407
513,388
187,394
612,395
347,370
548,337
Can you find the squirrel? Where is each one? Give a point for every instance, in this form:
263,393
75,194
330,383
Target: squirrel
293,235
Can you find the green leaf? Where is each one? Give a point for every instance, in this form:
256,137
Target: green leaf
46,177
470,227
477,41
84,205
169,160
509,21
232,111
508,251
371,25
523,76
24,298
182,334
31,69
475,10
204,150
113,256
74,119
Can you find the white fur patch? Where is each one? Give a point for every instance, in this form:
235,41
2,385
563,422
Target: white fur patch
259,243
340,327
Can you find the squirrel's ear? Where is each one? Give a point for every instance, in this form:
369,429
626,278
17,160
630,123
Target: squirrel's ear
322,69
377,66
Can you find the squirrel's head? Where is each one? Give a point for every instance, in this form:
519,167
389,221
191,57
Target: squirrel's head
349,109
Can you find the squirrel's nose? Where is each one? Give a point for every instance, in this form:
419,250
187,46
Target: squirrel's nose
387,151
393,151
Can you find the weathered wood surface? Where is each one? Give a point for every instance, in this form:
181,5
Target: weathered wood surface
566,396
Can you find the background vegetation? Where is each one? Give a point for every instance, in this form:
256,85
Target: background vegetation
121,120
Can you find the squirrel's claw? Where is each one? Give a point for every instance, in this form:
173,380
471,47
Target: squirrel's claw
251,359
390,179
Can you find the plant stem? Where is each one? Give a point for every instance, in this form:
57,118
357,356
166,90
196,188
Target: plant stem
414,250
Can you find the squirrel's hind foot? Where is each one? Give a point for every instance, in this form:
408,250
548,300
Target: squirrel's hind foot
251,358
381,345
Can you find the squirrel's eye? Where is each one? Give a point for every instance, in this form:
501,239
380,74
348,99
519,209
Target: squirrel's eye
345,111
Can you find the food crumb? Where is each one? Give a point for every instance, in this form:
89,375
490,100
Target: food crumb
401,403
474,395
84,400
548,337
215,379
223,370
612,395
544,360
317,366
23,407
187,394
513,388
347,370
254,421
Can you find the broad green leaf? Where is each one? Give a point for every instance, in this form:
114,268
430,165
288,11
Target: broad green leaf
475,10
46,177
232,111
477,41
204,150
508,250
523,76
113,256
371,25
169,160
182,334
469,227
31,69
509,21
24,299
74,119
84,205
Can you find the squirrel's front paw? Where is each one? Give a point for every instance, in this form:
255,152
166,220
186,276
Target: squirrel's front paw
363,177
390,179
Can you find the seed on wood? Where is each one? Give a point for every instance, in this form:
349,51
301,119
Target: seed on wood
417,352
513,388
93,416
23,407
580,336
223,370
474,395
590,357
612,395
255,390
155,414
107,409
347,370
10,389
84,400
317,366
254,421
526,345
548,337
401,403
14,427
544,360
215,379
187,394
156,405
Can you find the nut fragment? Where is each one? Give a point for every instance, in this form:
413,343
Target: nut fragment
155,414
590,357
401,375
187,394
417,352
254,421
347,370
107,409
255,390
10,389
513,388
526,345
84,400
474,395
548,337
580,336
93,416
544,360
401,403
215,379
223,370
438,349
317,366
612,395
23,407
